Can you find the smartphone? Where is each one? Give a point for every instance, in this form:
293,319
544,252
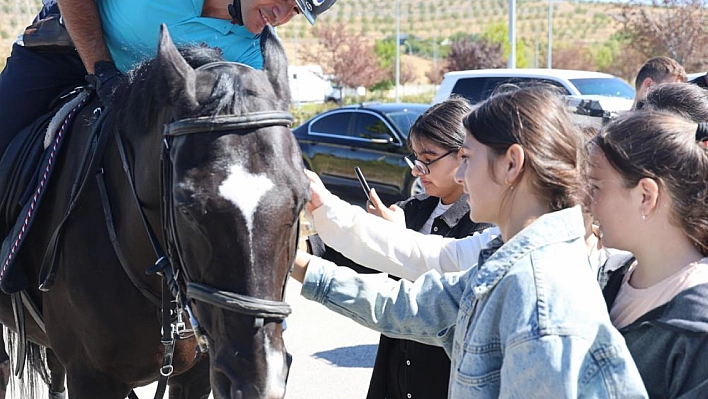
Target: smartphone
363,182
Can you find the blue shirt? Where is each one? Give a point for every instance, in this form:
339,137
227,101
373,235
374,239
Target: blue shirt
528,321
131,30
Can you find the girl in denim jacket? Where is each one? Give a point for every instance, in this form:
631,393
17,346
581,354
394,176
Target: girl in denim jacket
527,320
405,367
649,179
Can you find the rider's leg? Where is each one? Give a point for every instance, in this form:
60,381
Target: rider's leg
31,80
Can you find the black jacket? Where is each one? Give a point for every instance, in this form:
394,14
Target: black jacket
669,344
405,367
701,81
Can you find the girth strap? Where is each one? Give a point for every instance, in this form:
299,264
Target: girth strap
33,309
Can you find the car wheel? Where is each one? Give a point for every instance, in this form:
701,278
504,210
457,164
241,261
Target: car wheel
415,187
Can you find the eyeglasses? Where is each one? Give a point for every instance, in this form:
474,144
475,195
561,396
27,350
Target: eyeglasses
421,166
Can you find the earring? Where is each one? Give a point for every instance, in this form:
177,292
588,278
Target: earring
644,217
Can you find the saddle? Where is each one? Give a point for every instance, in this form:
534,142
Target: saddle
25,170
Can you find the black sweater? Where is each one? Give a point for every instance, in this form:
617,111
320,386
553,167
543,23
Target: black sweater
405,367
669,344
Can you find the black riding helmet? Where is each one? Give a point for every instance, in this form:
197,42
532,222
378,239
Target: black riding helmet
311,9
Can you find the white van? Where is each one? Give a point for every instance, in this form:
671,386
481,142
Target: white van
309,85
478,85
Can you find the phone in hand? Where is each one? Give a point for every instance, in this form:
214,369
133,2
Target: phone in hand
363,182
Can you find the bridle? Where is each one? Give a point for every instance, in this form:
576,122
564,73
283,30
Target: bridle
176,282
170,265
260,309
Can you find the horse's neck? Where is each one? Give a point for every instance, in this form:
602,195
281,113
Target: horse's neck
140,170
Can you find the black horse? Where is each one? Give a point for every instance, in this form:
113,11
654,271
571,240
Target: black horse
200,162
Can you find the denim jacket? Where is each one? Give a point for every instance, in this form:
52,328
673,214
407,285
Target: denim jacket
532,321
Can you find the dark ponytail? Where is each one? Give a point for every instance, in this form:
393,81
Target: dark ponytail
663,146
702,131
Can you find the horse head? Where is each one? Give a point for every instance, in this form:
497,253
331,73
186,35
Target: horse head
232,190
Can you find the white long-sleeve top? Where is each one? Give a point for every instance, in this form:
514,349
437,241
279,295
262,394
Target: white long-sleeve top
391,248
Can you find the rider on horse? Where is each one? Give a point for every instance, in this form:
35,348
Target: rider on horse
111,37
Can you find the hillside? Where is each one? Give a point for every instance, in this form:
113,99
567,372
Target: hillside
573,21
15,15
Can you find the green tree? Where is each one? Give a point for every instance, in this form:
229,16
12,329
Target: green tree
499,33
386,53
617,57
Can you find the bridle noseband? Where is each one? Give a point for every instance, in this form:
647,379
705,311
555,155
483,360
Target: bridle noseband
260,309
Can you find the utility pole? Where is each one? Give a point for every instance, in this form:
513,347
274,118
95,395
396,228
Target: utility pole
512,34
435,43
398,47
295,30
549,62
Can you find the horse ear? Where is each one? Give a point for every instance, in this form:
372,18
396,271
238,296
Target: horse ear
275,63
177,75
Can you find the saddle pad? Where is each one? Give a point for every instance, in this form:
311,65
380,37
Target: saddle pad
25,170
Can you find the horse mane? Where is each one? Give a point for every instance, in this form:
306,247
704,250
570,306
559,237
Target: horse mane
139,99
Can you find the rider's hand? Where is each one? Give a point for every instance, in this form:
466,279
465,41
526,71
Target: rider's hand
105,78
393,213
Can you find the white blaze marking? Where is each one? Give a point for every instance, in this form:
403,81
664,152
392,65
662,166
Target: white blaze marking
245,190
275,379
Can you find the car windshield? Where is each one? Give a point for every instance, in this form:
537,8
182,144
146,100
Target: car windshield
612,87
404,118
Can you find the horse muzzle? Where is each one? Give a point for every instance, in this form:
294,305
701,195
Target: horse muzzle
258,375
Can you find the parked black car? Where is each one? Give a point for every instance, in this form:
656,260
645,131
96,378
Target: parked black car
369,135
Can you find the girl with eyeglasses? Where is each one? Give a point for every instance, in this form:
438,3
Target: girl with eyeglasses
405,367
527,320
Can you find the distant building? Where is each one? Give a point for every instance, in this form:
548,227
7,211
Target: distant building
309,85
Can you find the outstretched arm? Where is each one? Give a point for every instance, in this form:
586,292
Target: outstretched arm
84,25
302,260
384,246
425,310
